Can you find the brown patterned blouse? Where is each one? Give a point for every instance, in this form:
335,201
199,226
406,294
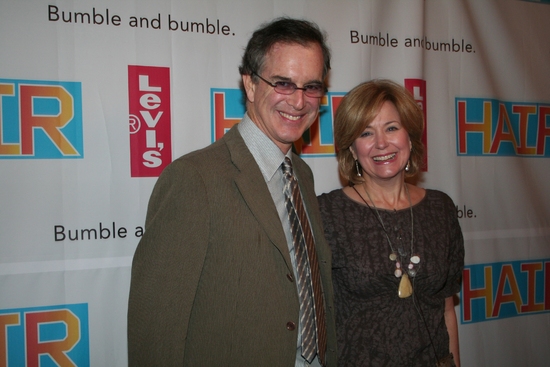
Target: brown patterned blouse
374,326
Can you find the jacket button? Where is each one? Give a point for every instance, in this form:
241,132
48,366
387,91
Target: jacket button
290,326
290,277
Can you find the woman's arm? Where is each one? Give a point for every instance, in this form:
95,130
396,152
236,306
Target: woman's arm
452,328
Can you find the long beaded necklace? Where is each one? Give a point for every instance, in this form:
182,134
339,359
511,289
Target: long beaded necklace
405,287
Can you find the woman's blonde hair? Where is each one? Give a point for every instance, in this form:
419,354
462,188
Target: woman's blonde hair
359,108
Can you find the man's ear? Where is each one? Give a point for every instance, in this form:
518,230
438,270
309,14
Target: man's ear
249,87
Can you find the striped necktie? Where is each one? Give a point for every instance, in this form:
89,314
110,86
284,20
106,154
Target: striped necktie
312,310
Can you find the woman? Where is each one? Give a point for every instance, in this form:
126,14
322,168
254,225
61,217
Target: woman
398,250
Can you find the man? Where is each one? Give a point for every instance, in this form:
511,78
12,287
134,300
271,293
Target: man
214,279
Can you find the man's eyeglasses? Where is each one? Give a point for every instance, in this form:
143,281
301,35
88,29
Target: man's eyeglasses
310,90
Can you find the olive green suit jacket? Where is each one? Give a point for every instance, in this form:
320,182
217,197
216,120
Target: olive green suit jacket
212,280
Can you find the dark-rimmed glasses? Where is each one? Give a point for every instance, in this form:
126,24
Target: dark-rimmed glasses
281,87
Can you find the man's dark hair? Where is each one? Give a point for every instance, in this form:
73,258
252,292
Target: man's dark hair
282,30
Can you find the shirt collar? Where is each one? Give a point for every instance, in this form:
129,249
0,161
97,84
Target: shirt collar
268,156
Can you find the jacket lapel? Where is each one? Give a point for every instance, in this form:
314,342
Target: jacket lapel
251,184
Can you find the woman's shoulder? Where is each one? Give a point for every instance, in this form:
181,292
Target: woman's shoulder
439,199
437,195
330,196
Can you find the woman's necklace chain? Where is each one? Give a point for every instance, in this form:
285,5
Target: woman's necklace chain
396,255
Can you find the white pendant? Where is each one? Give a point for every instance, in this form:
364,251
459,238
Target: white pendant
405,287
415,259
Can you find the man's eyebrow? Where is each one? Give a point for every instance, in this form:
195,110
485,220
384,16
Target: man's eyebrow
281,78
287,79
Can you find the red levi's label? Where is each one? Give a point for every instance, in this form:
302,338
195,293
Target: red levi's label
150,120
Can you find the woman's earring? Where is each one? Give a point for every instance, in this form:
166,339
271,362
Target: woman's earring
357,168
408,166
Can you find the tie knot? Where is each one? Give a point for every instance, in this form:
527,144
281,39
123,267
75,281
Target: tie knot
287,167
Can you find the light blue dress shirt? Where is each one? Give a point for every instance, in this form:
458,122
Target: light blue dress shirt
269,158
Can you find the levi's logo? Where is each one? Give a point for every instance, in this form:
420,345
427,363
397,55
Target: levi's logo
150,120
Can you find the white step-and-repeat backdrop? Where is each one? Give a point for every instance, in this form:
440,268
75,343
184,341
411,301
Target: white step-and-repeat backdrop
97,97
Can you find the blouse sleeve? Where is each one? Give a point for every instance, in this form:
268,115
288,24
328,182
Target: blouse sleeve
455,253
